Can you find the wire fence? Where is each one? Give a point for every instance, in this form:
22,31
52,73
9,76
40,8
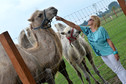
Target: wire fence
113,19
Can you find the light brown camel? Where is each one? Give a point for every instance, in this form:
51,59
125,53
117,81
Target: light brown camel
31,40
43,59
27,40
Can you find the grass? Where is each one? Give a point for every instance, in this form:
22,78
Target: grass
117,32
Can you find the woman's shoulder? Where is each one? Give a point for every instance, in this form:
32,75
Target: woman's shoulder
101,28
85,28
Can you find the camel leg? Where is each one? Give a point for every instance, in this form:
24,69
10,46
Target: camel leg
84,63
62,70
49,76
18,80
85,73
89,57
78,73
98,73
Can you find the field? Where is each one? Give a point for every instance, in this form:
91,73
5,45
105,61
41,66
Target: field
117,32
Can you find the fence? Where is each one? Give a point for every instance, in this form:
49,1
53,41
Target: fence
113,19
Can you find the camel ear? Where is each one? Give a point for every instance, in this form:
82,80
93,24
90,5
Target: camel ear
31,19
60,27
63,26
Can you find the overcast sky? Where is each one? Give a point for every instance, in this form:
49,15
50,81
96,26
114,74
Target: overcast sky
14,13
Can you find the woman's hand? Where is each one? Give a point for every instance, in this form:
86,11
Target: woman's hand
117,57
59,18
71,24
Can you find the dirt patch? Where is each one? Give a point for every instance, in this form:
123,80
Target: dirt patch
115,80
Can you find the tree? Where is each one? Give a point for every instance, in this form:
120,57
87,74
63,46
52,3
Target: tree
84,23
114,8
113,4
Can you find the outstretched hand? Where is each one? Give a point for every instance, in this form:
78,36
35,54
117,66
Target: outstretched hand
116,56
59,18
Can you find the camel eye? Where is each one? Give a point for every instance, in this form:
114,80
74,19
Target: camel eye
40,15
68,32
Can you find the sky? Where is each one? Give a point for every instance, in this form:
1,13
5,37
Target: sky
15,13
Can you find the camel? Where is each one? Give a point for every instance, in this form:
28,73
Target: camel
75,49
30,41
8,74
43,59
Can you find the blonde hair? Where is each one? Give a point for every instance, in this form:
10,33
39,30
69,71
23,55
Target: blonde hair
96,21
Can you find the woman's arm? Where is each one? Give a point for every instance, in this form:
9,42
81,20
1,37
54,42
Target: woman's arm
68,23
113,47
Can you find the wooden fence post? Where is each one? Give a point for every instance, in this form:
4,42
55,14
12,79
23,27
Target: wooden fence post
16,59
122,4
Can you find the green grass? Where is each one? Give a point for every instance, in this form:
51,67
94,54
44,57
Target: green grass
117,32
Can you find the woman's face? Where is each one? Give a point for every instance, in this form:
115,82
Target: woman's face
90,21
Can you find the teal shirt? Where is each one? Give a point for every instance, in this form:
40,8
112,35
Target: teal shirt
98,40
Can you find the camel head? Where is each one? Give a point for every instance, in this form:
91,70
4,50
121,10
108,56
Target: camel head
42,19
70,33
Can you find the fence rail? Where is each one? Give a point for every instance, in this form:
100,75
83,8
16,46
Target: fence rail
16,59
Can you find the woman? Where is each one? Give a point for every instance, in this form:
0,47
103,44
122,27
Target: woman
101,44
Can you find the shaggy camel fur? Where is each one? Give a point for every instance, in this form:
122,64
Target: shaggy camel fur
74,50
30,41
43,59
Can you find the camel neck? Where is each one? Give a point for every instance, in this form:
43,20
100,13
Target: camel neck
78,46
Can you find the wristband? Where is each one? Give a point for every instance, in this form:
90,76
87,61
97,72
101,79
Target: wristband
115,52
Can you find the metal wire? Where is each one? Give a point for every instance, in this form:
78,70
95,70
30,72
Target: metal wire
78,17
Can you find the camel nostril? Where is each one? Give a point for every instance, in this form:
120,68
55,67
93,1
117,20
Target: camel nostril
55,10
